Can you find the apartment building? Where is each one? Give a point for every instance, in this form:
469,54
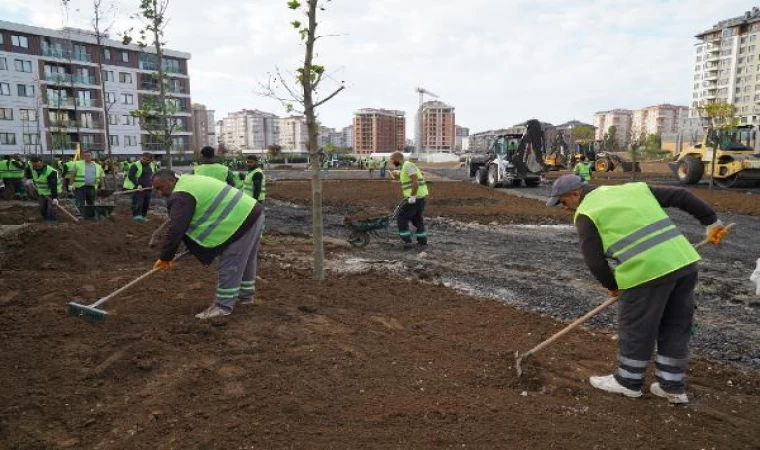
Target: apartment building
461,138
250,131
58,88
348,136
435,127
294,134
621,119
658,119
204,129
378,131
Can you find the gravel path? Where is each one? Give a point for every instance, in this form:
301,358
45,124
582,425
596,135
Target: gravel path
539,268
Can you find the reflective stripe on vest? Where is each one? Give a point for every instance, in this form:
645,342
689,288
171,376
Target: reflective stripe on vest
128,184
248,184
40,180
220,209
636,233
79,168
215,170
584,170
406,181
11,171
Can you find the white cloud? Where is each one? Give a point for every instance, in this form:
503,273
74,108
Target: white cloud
498,63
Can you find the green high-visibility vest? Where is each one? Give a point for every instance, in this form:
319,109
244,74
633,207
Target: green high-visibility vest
583,169
41,180
220,209
215,170
636,233
10,170
128,184
79,169
248,184
406,181
4,168
68,166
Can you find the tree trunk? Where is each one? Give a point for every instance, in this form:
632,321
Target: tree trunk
166,131
106,109
311,123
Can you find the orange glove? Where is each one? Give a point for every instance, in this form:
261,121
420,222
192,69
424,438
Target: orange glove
614,293
163,265
716,232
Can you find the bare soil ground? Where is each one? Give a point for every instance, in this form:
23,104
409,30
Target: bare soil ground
369,358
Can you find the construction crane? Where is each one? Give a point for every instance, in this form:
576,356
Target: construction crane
418,138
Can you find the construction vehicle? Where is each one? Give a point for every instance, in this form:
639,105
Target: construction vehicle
619,161
737,161
512,159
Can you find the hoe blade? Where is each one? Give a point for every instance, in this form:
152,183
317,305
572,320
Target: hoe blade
86,312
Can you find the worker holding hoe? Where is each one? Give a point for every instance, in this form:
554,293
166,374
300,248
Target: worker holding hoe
415,191
655,275
213,219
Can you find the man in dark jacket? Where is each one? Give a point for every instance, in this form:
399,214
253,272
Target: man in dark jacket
655,274
213,219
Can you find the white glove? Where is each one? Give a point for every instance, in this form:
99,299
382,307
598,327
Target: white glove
411,200
755,278
55,202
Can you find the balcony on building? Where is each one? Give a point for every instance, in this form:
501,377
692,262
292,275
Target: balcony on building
68,78
63,49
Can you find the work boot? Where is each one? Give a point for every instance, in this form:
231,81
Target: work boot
214,311
246,301
408,245
677,399
138,219
610,384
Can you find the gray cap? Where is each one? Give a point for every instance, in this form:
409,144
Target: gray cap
563,185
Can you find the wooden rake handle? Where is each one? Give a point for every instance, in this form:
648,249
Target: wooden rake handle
132,191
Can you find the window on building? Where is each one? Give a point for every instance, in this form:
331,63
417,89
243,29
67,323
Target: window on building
125,57
699,49
752,38
25,90
750,58
106,54
113,140
80,49
28,115
742,50
23,65
697,68
3,63
739,70
6,113
129,120
127,99
5,89
19,41
130,141
107,75
699,59
125,77
113,119
7,138
110,98
740,60
31,139
2,39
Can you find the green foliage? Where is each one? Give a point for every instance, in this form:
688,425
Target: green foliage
296,24
582,133
294,4
610,139
274,150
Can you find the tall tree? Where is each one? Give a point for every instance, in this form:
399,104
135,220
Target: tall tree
717,120
156,113
309,76
101,34
611,142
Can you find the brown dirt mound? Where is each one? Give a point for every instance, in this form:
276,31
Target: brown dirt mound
77,247
361,361
462,201
18,215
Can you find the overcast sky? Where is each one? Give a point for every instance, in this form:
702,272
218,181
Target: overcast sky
496,62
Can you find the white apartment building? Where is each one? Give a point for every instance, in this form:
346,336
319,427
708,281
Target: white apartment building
250,131
52,98
658,119
294,135
348,136
727,67
621,119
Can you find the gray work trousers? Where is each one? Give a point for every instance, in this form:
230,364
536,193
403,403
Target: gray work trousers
237,268
661,314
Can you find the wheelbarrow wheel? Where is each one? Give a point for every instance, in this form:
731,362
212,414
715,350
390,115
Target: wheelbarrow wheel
358,239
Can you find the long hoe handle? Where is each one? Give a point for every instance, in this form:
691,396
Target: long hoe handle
65,211
131,191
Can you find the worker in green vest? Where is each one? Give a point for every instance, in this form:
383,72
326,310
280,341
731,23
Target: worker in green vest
140,176
655,274
87,177
210,168
383,167
68,168
213,219
255,184
583,169
45,181
415,191
12,171
371,163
